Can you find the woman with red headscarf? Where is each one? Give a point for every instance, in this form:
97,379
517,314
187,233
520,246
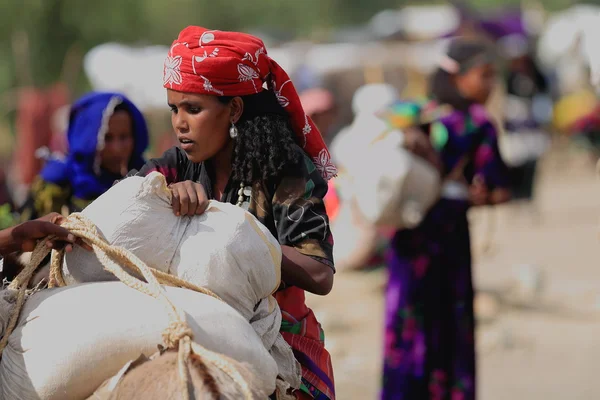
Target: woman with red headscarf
245,139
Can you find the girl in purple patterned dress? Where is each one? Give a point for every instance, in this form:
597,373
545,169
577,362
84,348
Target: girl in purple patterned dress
429,332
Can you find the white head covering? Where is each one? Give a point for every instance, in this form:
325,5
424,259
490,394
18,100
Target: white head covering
370,98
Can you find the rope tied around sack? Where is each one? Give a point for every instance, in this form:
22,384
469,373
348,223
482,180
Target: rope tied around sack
176,331
121,262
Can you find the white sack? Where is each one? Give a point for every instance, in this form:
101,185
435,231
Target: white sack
393,187
225,250
70,340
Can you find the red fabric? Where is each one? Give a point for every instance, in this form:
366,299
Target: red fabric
302,396
33,132
332,202
236,64
586,123
303,333
33,125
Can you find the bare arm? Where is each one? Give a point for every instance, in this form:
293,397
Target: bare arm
499,196
480,195
305,272
25,236
418,143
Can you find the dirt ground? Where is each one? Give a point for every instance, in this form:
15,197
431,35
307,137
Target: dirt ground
538,297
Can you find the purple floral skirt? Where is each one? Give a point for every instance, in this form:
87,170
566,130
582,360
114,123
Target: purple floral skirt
429,332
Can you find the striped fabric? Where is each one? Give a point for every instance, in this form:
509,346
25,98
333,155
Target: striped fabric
301,330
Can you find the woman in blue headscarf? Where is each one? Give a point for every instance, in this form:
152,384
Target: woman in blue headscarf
107,137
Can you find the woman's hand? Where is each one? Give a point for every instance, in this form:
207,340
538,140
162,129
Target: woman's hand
189,198
24,237
305,272
499,196
418,143
478,192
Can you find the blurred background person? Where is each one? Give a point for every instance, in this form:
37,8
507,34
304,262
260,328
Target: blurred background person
366,124
430,324
359,244
107,137
527,109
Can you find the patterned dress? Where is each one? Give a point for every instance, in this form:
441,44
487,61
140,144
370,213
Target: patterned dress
46,197
292,208
429,331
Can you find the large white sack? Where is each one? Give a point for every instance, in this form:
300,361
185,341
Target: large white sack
70,340
392,187
225,249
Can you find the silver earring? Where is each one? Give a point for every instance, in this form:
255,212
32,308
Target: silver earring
233,131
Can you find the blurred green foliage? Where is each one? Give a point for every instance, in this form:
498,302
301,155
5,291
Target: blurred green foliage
53,27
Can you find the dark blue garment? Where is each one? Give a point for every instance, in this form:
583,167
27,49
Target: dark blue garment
88,121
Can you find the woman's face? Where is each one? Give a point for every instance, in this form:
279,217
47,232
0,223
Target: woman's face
119,142
201,123
477,83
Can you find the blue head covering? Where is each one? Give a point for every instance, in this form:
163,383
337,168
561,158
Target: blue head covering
88,123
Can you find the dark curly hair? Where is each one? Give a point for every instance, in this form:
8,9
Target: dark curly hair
467,53
265,144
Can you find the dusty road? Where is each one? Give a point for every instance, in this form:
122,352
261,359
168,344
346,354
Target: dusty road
539,323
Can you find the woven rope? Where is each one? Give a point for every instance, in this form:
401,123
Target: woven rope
118,261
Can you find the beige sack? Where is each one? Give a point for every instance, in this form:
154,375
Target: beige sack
70,340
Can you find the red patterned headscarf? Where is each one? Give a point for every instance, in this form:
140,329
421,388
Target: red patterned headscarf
236,64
